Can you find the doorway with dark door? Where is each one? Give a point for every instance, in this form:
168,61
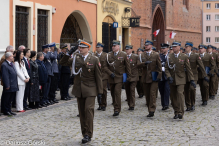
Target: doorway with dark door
125,37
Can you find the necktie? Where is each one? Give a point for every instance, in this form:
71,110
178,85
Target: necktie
28,63
175,55
129,56
188,55
115,54
201,55
11,64
148,54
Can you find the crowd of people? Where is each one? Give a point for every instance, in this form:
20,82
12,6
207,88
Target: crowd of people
30,79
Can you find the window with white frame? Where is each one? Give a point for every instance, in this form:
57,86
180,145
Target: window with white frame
216,17
208,6
216,28
216,39
208,39
208,28
208,17
217,6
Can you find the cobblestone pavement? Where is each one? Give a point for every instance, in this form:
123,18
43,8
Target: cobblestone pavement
59,125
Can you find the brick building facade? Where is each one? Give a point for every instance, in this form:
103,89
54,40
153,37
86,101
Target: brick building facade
181,16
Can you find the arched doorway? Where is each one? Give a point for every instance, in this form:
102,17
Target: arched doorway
108,33
158,23
76,27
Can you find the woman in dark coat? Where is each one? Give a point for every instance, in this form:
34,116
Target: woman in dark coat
34,80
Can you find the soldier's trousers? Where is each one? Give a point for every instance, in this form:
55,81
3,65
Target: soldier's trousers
177,98
139,87
204,89
190,94
104,96
130,93
150,92
164,89
216,85
53,86
116,89
86,112
212,85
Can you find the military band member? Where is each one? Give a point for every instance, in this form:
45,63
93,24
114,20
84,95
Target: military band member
214,78
163,85
209,65
139,85
117,65
152,72
131,84
174,69
102,58
87,85
195,63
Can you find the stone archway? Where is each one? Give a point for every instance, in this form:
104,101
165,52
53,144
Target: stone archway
158,23
76,27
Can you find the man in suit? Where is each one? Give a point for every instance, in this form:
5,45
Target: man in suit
139,85
27,87
131,84
163,85
117,65
43,77
8,49
209,65
102,58
87,85
54,78
47,61
10,84
175,71
152,72
195,63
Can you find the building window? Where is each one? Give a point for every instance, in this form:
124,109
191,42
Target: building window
216,17
21,26
216,28
208,28
217,6
208,39
208,6
208,17
42,29
217,40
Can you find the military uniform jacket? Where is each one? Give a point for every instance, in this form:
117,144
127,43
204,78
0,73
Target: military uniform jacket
88,82
163,62
118,65
134,60
47,60
208,61
216,60
195,63
178,72
154,66
103,62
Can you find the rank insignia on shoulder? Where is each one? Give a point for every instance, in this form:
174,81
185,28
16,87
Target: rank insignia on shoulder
99,64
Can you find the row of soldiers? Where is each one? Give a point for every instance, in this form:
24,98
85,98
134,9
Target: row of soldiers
174,74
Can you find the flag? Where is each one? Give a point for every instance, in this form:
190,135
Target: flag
156,32
172,34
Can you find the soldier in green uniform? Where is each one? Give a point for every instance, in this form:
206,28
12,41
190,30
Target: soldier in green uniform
139,85
117,65
175,72
152,72
209,65
102,58
214,78
217,66
87,85
131,84
195,63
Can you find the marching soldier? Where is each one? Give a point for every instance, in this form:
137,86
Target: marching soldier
171,50
163,85
117,65
131,84
209,65
87,85
139,85
213,78
174,69
102,58
217,66
195,63
152,72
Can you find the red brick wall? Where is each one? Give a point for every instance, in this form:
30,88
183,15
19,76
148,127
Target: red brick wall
185,22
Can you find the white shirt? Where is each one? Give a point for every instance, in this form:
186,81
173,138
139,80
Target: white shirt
26,59
116,53
176,54
129,55
85,56
8,62
189,53
210,53
99,54
149,53
203,54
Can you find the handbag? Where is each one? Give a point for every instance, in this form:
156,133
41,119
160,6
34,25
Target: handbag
154,75
124,77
